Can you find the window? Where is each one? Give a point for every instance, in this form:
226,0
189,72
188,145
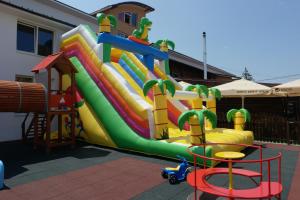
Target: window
40,43
45,42
128,18
24,78
25,38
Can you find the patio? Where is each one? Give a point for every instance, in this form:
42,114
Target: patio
93,172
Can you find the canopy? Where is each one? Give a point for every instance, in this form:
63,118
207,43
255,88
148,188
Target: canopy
244,88
291,88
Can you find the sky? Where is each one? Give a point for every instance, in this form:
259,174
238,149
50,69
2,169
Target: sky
262,35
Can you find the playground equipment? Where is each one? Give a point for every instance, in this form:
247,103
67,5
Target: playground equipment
105,22
128,99
113,73
43,102
264,188
239,118
177,174
60,103
22,97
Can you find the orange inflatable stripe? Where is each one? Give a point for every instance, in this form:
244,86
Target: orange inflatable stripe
132,38
115,94
114,59
173,109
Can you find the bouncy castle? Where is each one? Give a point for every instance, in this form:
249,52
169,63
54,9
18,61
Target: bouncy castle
126,98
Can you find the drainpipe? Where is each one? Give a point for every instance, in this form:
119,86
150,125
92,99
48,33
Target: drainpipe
204,55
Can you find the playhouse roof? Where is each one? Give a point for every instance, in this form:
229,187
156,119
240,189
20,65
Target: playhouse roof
58,61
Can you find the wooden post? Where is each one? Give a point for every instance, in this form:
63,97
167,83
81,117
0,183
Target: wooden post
59,133
48,115
36,134
49,87
48,132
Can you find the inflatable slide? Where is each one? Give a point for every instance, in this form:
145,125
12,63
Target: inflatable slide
112,72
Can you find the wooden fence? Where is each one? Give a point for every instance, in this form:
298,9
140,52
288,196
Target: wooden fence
269,119
268,127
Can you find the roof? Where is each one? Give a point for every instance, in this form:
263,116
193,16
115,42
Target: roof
36,13
146,7
58,61
72,8
179,57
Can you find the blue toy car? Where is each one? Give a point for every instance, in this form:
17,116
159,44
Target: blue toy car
177,174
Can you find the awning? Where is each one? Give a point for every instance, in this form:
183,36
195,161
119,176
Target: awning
244,88
291,88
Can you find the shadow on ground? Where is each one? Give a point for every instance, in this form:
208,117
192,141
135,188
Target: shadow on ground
16,155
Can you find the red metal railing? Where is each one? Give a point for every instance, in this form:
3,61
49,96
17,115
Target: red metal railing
260,161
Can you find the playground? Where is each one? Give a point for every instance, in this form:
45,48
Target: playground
117,94
92,172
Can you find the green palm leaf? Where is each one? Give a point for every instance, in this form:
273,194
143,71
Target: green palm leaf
158,43
170,87
112,20
200,89
190,88
100,17
185,117
160,84
148,85
170,44
211,116
230,114
246,114
201,118
216,93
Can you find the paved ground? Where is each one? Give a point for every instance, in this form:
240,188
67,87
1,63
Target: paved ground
92,172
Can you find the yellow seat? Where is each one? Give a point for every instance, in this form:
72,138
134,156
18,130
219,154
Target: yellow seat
173,168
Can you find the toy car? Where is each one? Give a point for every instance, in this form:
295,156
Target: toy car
177,174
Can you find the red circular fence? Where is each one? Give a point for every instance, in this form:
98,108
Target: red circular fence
267,188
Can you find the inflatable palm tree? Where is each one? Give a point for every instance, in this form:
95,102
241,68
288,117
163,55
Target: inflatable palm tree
165,45
201,90
160,105
239,117
211,103
196,121
105,22
197,104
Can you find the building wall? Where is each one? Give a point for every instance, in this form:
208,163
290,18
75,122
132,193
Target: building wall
17,62
122,26
183,72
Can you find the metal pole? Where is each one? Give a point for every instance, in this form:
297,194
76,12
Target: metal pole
243,101
204,56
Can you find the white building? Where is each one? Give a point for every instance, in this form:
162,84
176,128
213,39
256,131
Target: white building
41,22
